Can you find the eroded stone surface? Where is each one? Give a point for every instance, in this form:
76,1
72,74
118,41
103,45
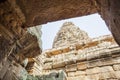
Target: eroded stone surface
39,11
110,12
16,44
70,34
43,11
97,59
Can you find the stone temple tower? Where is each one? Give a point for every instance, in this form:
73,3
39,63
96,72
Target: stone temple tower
79,57
70,34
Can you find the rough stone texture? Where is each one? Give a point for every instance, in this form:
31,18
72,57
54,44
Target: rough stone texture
16,44
97,59
40,11
17,47
35,65
43,11
69,34
37,32
12,71
108,9
110,12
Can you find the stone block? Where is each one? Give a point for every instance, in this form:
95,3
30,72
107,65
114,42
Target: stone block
92,55
116,67
65,50
47,60
4,69
80,73
8,75
71,74
106,69
116,60
117,73
101,62
115,52
77,78
72,61
72,67
93,63
81,57
107,75
56,52
58,64
95,70
92,77
47,66
106,61
82,65
105,53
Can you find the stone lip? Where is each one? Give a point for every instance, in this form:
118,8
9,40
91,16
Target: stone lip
40,11
80,46
87,57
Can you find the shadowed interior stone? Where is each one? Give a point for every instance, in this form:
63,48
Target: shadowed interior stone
17,45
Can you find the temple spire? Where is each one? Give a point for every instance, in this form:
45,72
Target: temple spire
69,34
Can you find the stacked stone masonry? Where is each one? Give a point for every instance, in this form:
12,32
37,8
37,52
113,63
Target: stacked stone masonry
18,47
16,44
95,59
99,62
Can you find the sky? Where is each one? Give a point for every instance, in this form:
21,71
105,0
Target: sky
92,24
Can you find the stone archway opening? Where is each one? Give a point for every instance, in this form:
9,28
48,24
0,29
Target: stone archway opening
18,47
78,55
93,24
